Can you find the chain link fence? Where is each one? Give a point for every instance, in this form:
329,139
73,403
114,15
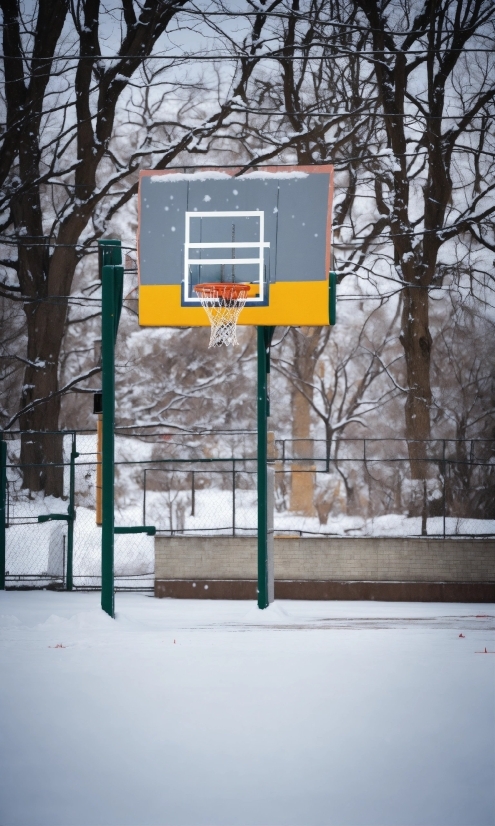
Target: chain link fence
184,485
55,541
364,487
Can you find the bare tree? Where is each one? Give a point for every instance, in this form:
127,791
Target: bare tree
315,109
434,92
343,380
390,94
414,152
63,176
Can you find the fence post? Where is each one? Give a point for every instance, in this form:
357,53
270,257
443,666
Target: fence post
444,470
265,542
3,509
72,514
233,497
193,495
99,433
144,496
112,275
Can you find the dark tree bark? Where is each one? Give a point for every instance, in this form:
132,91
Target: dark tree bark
46,265
416,341
308,343
45,323
434,37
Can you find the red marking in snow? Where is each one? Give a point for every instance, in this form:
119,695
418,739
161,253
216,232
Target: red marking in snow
462,636
58,645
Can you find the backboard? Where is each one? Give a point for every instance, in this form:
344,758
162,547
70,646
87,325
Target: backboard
270,229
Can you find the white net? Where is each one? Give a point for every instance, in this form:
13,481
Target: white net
223,304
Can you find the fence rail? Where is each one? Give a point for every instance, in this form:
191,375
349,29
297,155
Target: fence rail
360,487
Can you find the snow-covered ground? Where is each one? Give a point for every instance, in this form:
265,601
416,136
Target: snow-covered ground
209,712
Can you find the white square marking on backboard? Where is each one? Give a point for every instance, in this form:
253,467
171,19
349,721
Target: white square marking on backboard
260,245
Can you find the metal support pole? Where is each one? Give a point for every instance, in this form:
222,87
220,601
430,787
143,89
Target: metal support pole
3,510
265,564
99,431
64,569
444,471
332,283
144,496
233,497
71,514
112,275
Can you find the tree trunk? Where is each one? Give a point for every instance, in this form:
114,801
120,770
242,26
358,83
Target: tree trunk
49,281
42,452
416,340
303,478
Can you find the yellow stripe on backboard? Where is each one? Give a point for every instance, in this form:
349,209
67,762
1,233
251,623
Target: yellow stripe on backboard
292,303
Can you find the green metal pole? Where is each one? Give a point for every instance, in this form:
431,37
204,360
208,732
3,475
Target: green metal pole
3,510
265,335
333,298
71,514
262,471
112,280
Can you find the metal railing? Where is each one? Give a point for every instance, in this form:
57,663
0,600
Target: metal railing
364,489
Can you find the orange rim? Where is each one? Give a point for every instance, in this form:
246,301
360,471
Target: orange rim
221,290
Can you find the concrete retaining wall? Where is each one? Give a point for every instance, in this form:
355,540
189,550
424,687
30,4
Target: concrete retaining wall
322,559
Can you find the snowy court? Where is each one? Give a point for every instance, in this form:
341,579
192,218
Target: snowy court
207,712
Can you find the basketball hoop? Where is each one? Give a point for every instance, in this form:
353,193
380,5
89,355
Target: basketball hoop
223,303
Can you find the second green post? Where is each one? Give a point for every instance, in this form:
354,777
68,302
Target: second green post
265,480
112,274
